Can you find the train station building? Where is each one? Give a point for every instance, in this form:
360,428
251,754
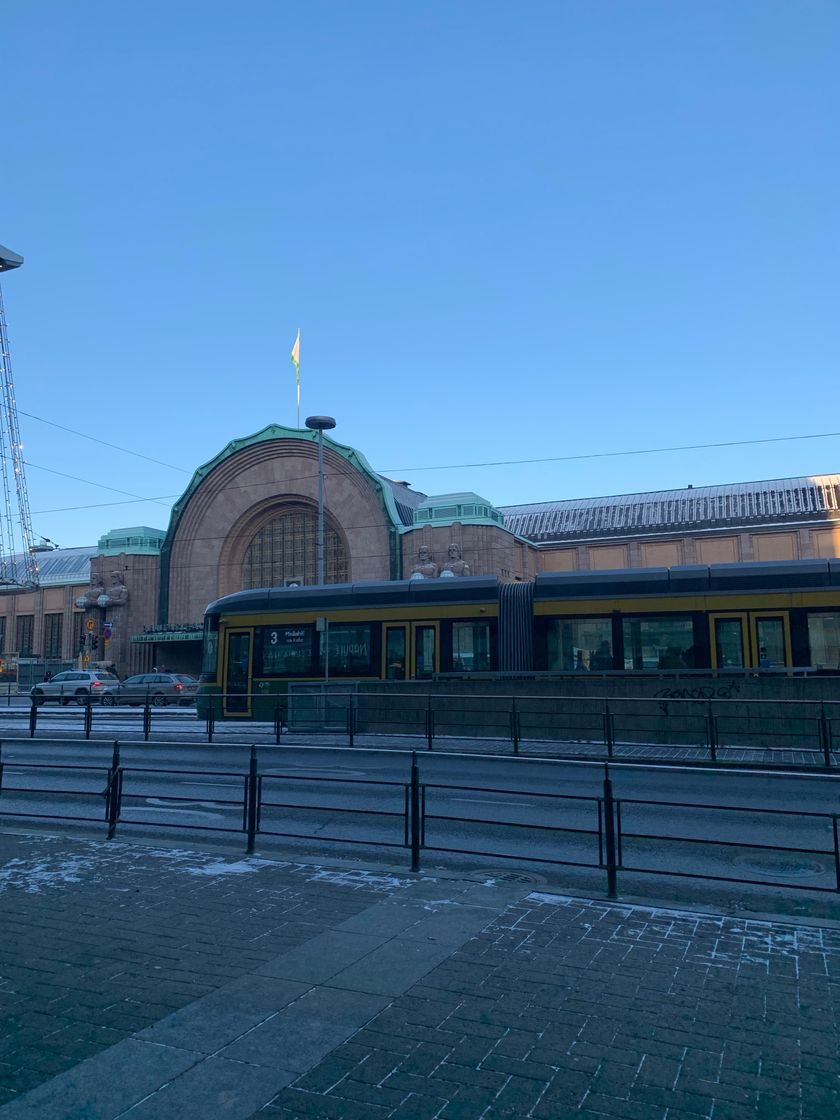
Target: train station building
250,518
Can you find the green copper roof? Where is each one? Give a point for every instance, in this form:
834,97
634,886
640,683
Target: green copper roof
277,432
443,509
139,539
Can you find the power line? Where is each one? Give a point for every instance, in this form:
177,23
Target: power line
490,463
95,439
87,482
611,454
390,472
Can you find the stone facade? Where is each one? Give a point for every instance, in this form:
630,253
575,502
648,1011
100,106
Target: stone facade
765,544
488,549
378,527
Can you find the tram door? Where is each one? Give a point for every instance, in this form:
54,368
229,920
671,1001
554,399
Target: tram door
771,640
237,673
753,639
411,650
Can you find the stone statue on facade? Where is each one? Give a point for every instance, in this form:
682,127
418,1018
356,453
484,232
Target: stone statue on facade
425,568
93,594
454,565
117,593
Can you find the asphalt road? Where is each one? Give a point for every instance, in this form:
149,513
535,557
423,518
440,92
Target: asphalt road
538,814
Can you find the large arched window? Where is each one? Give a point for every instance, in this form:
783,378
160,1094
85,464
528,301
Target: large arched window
285,552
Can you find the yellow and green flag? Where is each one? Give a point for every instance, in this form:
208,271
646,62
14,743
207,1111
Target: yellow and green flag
296,357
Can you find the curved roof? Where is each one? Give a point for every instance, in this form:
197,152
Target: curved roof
777,501
389,491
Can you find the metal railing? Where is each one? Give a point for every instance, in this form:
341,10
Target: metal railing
603,829
768,732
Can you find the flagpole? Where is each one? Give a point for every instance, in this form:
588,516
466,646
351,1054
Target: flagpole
296,363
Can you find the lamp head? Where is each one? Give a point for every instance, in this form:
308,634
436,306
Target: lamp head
320,423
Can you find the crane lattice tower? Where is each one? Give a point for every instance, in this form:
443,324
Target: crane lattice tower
18,568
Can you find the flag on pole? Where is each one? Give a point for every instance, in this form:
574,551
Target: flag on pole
296,356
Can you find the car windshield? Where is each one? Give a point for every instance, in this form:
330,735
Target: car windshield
184,679
105,676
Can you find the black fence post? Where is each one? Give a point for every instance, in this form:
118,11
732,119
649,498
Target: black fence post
836,852
88,716
253,801
211,707
824,727
147,719
113,795
351,721
278,724
33,719
514,725
430,724
711,731
609,835
415,813
609,729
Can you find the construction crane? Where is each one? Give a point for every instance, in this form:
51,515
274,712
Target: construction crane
18,568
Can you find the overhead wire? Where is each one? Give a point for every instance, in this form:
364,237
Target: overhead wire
391,471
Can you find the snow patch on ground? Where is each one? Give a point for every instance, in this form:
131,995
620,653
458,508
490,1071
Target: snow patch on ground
33,876
241,867
356,879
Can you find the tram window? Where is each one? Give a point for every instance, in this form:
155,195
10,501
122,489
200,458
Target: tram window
286,651
824,640
659,642
580,643
424,651
471,647
350,651
210,655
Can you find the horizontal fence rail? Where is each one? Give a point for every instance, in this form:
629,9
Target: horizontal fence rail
779,732
589,831
798,732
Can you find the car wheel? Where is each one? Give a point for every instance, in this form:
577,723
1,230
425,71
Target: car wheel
108,700
159,700
81,698
38,698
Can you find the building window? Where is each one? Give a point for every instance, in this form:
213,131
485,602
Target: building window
52,635
24,633
284,553
79,631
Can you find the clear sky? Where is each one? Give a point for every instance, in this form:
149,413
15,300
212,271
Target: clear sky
507,231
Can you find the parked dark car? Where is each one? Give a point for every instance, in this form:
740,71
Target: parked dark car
159,689
75,686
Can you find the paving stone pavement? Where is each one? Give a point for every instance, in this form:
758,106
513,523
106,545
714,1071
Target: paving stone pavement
152,982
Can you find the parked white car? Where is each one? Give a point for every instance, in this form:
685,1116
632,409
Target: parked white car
74,686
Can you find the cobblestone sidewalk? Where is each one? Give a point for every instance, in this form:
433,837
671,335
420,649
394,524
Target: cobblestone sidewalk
569,1008
150,983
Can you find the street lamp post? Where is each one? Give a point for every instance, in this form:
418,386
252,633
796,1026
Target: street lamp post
320,424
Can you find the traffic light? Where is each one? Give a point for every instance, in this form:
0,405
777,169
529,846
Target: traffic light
94,641
81,643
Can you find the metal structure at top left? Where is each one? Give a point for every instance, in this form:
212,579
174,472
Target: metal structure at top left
18,567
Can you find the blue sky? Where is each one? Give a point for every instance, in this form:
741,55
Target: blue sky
508,231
